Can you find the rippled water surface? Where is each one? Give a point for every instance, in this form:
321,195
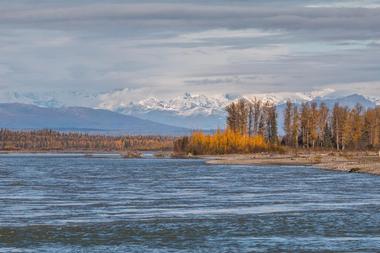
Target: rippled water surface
71,203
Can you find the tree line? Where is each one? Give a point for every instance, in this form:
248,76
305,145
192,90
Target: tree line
48,140
251,126
311,125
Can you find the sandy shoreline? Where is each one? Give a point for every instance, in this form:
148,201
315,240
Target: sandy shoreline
359,162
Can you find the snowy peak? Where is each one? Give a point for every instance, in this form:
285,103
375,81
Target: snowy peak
202,105
297,97
195,111
185,105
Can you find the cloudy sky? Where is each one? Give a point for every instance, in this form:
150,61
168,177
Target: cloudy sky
136,49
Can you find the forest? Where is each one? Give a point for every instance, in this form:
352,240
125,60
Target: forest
316,126
252,126
48,140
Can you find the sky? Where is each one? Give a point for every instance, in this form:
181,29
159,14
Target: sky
74,51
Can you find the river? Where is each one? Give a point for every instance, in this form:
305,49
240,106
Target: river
103,203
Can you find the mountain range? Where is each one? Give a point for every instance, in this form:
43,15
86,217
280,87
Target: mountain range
30,117
208,112
175,116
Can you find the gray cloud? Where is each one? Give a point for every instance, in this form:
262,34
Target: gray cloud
196,46
332,22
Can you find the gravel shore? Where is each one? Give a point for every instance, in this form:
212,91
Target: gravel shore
358,162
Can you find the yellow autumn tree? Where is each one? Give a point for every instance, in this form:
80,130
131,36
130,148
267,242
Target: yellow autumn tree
223,142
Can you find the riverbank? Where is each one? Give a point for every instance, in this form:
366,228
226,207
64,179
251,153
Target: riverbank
359,162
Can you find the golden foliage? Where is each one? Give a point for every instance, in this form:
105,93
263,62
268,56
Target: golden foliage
221,142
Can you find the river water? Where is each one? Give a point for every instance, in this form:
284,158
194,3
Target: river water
73,203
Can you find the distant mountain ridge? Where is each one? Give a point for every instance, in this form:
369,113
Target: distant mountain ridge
177,114
188,110
28,117
207,112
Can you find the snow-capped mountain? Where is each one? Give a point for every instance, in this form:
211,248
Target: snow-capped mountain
190,105
194,111
207,112
296,97
186,105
